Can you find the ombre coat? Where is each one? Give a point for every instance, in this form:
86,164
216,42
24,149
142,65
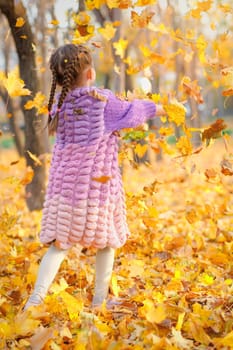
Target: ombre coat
85,201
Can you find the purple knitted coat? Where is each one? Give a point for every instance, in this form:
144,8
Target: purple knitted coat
79,206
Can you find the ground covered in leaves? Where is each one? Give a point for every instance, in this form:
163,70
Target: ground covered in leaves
172,286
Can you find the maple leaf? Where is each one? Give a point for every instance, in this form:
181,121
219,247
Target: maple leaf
192,89
120,47
214,131
140,150
141,20
176,112
108,31
94,4
39,102
184,145
14,85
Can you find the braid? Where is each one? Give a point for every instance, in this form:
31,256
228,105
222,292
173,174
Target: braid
66,63
68,80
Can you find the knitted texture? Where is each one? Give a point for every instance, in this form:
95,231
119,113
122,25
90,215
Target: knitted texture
85,198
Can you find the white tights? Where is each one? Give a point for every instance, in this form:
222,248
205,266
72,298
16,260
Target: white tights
50,265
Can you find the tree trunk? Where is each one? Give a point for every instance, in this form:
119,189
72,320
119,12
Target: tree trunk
15,129
36,140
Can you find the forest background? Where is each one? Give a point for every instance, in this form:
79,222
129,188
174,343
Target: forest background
174,277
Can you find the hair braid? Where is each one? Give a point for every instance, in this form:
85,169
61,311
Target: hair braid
67,64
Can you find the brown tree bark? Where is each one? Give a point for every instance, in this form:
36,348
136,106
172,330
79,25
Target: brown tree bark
35,131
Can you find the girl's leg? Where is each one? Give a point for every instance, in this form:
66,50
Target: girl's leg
48,269
103,272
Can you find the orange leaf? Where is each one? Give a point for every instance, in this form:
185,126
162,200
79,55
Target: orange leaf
192,89
20,22
214,131
103,179
141,20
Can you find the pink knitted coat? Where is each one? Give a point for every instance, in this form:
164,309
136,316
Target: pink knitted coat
85,198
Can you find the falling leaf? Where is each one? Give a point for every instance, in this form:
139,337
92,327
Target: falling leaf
39,102
120,47
15,85
108,31
140,150
35,158
226,167
55,22
20,21
103,179
184,145
141,20
145,2
176,112
210,173
214,131
192,89
28,176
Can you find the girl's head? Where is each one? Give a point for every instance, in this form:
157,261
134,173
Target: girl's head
71,66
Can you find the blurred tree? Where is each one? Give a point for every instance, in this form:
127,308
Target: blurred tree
36,140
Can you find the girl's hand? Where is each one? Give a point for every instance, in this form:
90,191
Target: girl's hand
160,111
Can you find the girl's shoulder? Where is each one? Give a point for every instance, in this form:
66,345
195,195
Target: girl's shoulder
93,91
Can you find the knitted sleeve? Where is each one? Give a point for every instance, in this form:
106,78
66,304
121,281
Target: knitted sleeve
120,114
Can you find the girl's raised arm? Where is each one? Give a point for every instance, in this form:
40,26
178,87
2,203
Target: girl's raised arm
120,114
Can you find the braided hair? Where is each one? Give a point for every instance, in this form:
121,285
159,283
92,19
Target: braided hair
66,63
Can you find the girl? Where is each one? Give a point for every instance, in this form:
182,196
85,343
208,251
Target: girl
85,199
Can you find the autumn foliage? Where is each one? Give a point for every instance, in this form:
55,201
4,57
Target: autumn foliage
172,286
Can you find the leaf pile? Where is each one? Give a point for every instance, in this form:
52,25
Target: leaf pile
172,284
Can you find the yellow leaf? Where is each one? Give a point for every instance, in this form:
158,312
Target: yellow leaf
114,285
24,325
197,331
14,85
20,22
120,47
73,306
184,145
140,150
55,22
153,314
39,102
145,2
141,20
82,18
176,112
226,341
166,131
108,31
113,3
180,321
57,288
94,4
35,158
